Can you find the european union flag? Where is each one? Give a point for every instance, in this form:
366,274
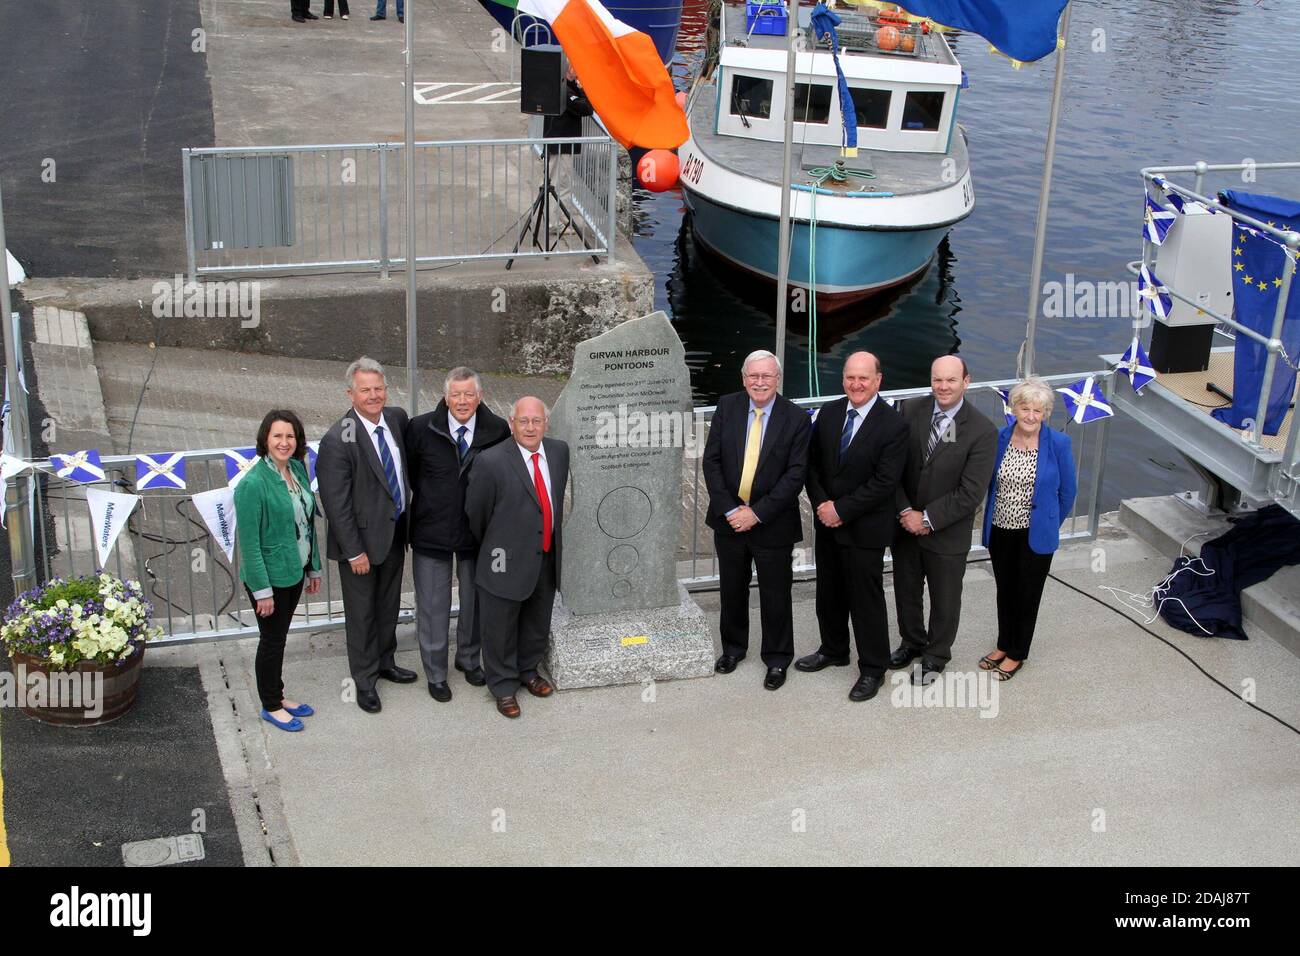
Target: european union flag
1022,29
1257,265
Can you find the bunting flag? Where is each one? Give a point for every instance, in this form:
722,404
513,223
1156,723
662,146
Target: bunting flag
620,71
1085,401
80,466
1156,297
109,511
1006,405
1158,221
160,471
313,448
11,465
1135,364
217,508
1023,30
238,461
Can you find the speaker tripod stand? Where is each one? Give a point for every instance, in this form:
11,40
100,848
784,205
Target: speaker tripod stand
538,218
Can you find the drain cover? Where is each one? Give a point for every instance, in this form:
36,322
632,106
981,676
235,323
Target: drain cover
163,851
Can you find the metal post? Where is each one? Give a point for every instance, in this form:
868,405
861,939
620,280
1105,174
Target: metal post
383,212
1275,339
18,515
612,233
1044,195
412,376
783,245
190,255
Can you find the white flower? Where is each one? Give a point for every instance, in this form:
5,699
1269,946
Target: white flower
111,604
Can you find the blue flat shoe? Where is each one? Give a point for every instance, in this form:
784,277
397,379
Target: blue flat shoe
302,710
291,725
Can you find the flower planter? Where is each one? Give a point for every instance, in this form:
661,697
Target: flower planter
85,695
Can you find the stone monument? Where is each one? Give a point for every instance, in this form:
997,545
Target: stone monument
621,617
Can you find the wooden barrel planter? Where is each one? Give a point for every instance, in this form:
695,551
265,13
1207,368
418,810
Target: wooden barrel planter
113,698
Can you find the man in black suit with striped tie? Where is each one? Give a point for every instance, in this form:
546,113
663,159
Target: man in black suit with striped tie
858,453
753,464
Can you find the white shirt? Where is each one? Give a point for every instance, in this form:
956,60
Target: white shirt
863,411
543,465
454,426
949,414
371,428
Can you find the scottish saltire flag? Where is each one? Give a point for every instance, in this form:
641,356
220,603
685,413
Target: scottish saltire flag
1154,294
1158,221
312,448
238,461
1022,29
1006,405
81,466
160,471
1085,401
1135,364
1258,262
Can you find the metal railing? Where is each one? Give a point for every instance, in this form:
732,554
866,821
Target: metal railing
340,208
1285,480
198,597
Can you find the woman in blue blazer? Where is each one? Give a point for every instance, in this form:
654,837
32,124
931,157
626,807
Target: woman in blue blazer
1031,494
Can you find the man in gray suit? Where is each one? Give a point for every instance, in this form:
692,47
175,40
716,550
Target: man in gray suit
515,504
951,449
361,471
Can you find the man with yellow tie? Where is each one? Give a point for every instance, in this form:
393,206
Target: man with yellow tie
753,464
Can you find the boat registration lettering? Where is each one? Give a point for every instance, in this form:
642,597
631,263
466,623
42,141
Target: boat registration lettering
692,169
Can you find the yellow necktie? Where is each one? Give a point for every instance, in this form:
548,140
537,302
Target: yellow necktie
751,456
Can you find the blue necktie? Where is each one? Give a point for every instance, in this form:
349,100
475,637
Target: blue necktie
847,435
461,447
390,472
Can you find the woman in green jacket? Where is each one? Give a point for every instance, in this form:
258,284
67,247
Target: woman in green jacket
275,514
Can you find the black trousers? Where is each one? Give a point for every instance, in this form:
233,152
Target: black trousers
851,587
371,603
1020,574
298,8
914,568
343,8
775,577
515,633
273,631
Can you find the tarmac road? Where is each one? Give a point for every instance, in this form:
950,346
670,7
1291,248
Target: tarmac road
109,91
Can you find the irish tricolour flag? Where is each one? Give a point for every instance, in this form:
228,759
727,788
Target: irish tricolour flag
619,69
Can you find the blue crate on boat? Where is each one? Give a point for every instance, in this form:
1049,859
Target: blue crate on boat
765,18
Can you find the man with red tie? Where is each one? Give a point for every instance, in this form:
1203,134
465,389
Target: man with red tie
515,506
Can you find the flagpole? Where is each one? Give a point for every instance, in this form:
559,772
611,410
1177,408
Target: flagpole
412,378
783,245
18,515
1040,233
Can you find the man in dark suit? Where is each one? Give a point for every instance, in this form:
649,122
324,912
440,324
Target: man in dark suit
858,452
754,464
515,505
361,471
441,446
951,449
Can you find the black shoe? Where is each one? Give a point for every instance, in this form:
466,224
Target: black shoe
929,672
775,678
398,675
817,661
368,701
726,664
299,18
474,677
311,16
379,17
401,19
865,688
440,692
903,656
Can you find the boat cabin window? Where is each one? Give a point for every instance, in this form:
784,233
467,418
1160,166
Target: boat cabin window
922,110
812,103
872,107
751,96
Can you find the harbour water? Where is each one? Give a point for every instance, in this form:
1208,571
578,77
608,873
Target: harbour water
1156,82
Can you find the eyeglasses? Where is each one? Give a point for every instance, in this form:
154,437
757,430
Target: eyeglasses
761,377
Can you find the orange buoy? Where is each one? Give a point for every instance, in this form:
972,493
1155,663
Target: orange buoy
887,38
658,170
908,43
681,98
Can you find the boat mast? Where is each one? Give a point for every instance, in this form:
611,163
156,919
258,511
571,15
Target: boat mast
783,247
1026,364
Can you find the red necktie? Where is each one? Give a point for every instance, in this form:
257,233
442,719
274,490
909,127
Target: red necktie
545,502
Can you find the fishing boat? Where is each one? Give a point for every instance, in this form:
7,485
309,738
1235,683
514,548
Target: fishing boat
862,220
658,19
